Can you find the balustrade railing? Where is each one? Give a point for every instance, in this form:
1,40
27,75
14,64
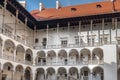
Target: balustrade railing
8,57
89,62
28,62
19,60
15,37
72,45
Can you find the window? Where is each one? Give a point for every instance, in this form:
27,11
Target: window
98,6
76,40
90,42
105,40
36,40
73,9
44,42
64,43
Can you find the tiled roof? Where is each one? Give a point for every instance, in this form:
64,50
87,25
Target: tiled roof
77,10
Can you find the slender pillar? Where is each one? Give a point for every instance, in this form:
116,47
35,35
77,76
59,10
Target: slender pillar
88,37
34,34
116,26
91,28
79,33
13,73
47,32
58,33
14,55
0,74
16,18
24,57
3,45
99,36
4,12
68,33
25,32
103,25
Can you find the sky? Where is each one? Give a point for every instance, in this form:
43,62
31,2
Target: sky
34,4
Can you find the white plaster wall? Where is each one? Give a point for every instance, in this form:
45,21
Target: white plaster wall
110,62
54,38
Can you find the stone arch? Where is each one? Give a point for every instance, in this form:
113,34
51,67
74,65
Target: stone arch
62,57
73,57
73,73
8,71
9,48
51,57
20,51
51,74
85,56
19,72
28,74
41,58
97,55
29,56
98,73
40,74
62,74
85,73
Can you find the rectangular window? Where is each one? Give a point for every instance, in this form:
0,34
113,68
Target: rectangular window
88,41
105,40
36,40
76,40
64,43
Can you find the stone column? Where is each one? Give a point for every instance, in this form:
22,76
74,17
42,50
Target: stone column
116,27
25,31
13,73
79,33
1,74
16,18
103,24
47,36
91,28
14,55
4,12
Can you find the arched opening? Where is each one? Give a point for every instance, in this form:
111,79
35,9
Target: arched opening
40,74
73,74
98,73
20,51
19,73
85,56
62,74
7,73
28,56
51,74
85,73
8,51
1,42
41,59
28,74
73,57
51,58
62,57
97,56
